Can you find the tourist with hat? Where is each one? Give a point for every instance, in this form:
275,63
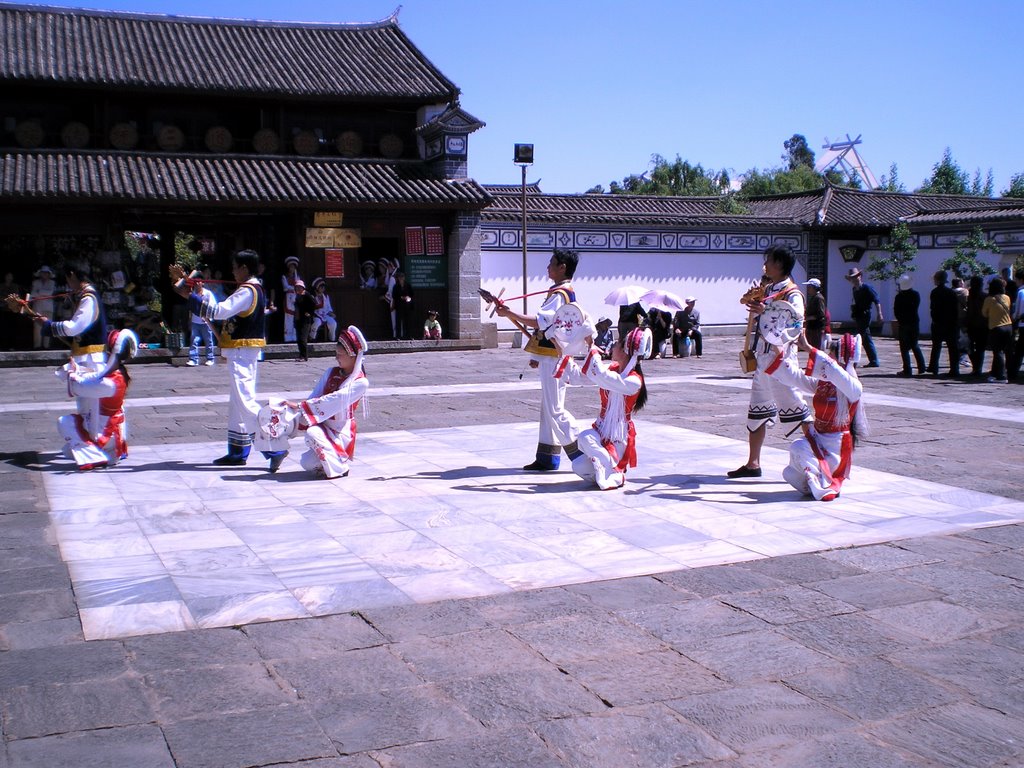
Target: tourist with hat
817,320
865,298
43,286
288,280
687,329
603,338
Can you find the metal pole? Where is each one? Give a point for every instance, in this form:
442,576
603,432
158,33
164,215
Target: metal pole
525,290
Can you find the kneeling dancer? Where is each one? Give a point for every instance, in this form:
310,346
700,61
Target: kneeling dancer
820,461
108,386
328,415
609,447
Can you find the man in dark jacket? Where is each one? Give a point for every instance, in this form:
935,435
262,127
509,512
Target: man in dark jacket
864,299
687,326
944,313
905,309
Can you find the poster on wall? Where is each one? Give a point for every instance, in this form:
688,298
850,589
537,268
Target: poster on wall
334,263
426,272
320,237
435,241
414,241
327,218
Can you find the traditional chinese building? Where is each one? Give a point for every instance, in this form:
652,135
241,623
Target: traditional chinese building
341,144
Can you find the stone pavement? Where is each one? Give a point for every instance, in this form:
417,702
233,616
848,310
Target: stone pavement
904,652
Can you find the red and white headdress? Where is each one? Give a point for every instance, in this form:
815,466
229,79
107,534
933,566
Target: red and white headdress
121,346
638,345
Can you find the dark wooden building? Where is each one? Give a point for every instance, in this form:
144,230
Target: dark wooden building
336,143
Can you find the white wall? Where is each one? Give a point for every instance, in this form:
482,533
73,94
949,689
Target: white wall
716,279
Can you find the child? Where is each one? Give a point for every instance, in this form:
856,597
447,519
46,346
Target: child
432,328
328,415
609,447
109,386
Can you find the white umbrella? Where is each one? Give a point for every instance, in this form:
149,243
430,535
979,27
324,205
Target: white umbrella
629,294
664,300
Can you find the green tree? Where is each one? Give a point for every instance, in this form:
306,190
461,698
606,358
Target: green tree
901,250
892,183
965,262
679,177
947,177
797,152
779,181
1016,188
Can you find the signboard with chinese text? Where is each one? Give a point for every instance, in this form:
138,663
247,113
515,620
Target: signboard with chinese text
327,218
426,271
435,241
334,263
414,241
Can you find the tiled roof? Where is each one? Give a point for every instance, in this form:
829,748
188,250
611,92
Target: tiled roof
613,209
841,206
177,179
39,44
1014,210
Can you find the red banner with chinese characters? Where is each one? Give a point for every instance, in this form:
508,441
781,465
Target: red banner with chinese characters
414,241
334,262
435,241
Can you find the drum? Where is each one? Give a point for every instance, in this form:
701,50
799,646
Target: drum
571,330
780,323
277,420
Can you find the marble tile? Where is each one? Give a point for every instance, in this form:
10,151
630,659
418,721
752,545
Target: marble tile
442,513
113,621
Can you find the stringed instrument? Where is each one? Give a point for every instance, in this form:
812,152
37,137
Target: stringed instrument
754,294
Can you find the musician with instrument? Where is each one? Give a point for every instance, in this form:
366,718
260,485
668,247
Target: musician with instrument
777,310
557,426
85,333
241,340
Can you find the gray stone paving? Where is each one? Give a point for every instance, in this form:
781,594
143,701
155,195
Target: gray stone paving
903,654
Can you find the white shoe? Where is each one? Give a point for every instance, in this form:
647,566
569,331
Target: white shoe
191,363
209,362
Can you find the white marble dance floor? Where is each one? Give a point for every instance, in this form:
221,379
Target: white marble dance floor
168,542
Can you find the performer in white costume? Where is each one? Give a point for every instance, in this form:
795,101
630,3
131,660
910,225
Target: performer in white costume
86,333
324,311
780,312
820,461
241,340
328,415
109,387
288,280
609,446
557,427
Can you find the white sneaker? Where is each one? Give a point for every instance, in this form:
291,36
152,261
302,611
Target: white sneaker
191,363
209,362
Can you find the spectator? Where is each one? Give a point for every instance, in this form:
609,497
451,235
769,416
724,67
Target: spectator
906,309
864,298
200,330
1017,299
305,312
661,330
402,294
43,287
817,321
631,316
604,340
324,311
963,343
687,327
996,311
977,326
943,306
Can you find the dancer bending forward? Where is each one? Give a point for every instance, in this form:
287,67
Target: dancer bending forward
328,415
609,447
820,461
108,387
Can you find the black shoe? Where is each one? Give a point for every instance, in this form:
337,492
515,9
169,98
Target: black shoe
536,466
871,365
277,461
904,374
744,471
230,461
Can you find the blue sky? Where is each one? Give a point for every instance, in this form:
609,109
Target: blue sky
598,87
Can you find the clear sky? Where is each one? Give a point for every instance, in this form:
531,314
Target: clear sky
599,86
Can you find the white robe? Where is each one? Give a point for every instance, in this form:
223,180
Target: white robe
113,429
331,425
